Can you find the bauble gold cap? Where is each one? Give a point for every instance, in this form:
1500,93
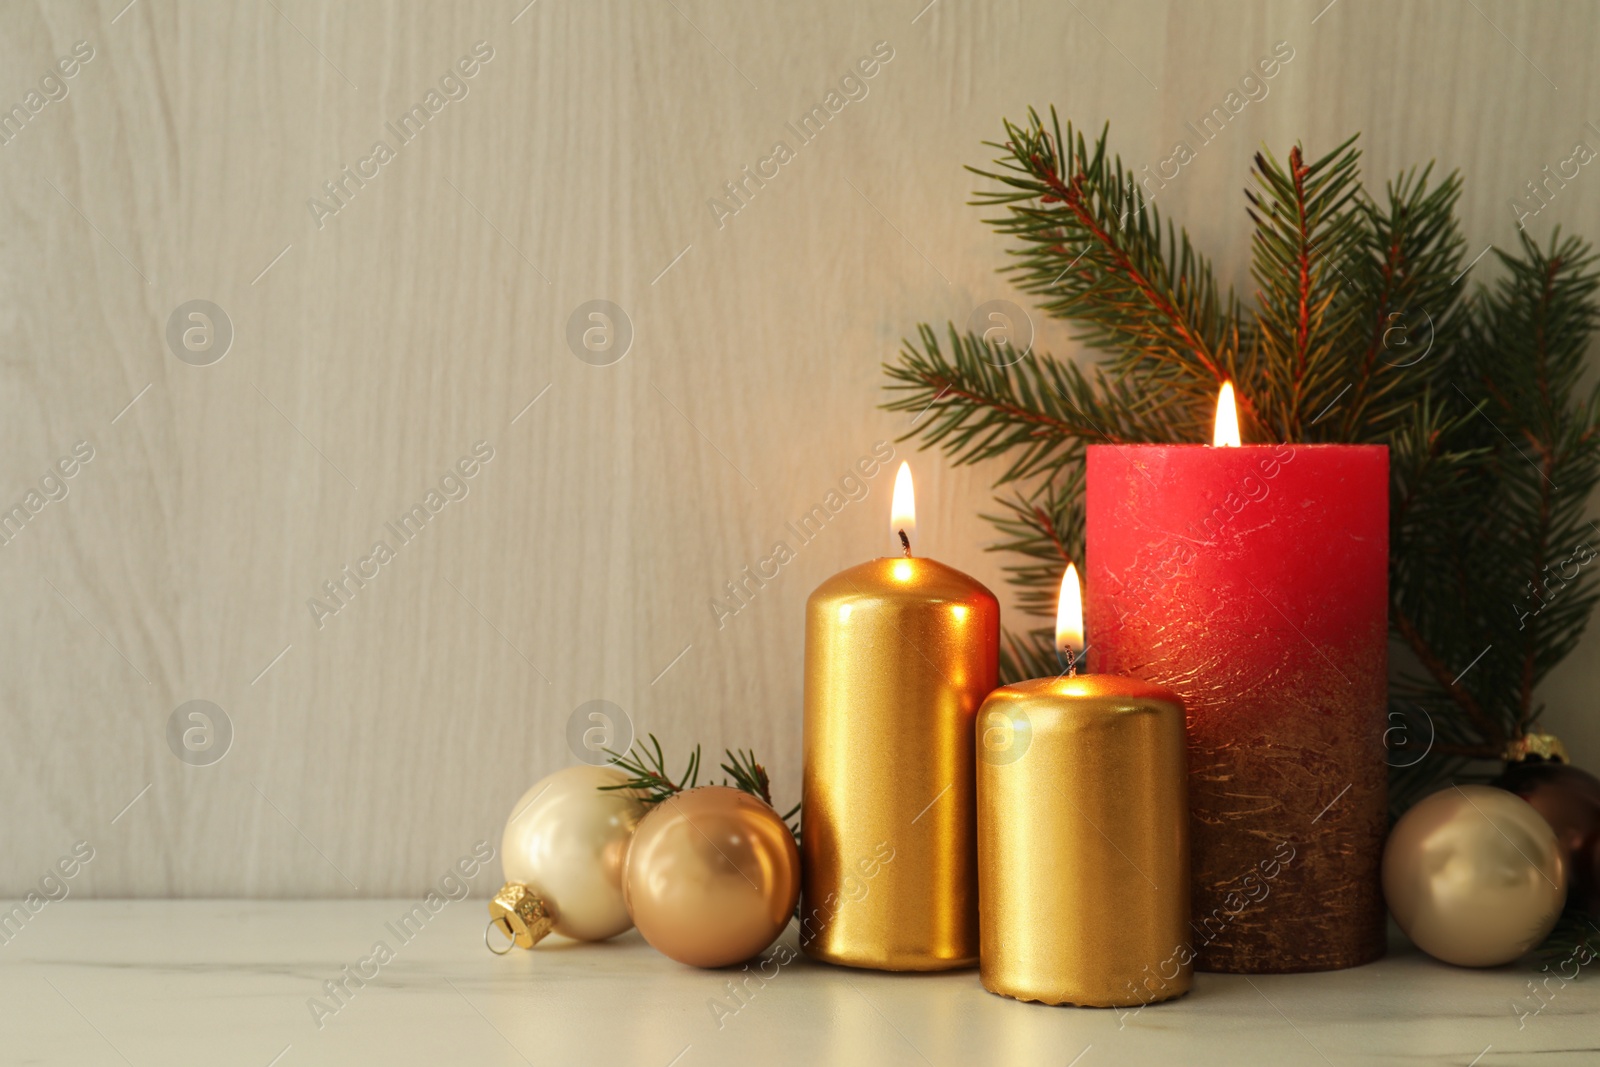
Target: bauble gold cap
524,918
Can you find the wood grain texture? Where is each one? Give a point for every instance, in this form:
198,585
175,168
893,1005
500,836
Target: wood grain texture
428,312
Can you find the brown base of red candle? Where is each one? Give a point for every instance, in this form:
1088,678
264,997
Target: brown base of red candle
1287,838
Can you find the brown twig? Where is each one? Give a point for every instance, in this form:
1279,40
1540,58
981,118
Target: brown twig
1493,733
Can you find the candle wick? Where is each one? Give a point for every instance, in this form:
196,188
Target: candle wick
905,543
1068,660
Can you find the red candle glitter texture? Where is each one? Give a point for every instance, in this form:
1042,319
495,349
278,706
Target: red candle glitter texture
1253,581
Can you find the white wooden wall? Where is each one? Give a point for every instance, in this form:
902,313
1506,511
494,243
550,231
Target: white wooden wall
371,351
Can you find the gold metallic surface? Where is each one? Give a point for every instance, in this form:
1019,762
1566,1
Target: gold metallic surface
1083,842
899,654
522,916
1545,746
1474,875
712,876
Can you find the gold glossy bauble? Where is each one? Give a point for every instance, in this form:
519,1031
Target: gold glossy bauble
1474,876
712,876
567,841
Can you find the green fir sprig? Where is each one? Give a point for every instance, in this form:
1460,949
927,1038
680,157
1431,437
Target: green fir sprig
1575,940
646,768
645,765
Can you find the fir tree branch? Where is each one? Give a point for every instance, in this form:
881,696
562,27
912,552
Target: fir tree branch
1575,939
747,775
1092,247
1526,343
1077,199
1407,277
1045,528
1492,731
645,767
980,400
1031,654
647,772
1308,224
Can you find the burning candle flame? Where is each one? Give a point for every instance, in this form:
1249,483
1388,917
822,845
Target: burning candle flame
903,512
1069,614
1226,432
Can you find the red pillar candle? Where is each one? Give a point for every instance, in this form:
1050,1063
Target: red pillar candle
1253,582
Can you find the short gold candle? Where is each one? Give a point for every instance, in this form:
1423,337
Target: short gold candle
1083,842
899,654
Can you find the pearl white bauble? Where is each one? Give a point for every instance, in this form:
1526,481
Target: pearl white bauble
1474,876
567,841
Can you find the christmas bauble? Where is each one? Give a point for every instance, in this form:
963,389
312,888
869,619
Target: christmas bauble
712,876
566,841
1569,800
1474,876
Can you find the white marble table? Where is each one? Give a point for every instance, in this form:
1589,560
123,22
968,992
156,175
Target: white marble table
214,982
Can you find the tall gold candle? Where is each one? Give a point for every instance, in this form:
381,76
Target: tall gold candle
899,654
1083,838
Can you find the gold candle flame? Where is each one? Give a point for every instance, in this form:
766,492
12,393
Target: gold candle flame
903,511
1225,434
1069,614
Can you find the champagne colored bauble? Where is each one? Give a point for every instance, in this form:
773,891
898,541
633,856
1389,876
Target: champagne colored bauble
712,877
1474,876
567,841
1569,800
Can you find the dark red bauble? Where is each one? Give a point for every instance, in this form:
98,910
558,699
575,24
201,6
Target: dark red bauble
1569,799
